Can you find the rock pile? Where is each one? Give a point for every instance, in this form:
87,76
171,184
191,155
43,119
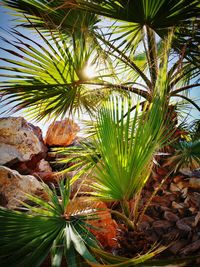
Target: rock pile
24,153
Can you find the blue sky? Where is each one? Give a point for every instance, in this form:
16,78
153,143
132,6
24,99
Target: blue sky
6,22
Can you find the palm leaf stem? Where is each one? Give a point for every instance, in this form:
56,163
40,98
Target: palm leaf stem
179,90
125,207
127,60
152,54
124,218
173,68
176,78
134,107
120,86
188,100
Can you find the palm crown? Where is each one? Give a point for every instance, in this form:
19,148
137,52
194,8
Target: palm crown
124,39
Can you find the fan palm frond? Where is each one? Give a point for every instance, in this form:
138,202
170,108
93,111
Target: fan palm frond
47,77
51,15
158,16
127,145
46,228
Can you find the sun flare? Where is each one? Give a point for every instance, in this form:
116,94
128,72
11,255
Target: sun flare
90,71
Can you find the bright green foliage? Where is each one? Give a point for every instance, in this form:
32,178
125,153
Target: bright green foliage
127,146
28,238
82,158
46,77
121,153
159,16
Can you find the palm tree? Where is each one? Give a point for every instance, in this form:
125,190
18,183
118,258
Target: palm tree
125,39
123,148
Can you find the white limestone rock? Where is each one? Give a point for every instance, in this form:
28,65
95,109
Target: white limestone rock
19,140
13,186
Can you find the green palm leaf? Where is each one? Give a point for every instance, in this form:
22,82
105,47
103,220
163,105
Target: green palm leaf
53,15
27,238
48,78
181,16
157,15
43,230
127,144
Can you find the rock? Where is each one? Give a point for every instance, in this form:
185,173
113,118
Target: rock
178,206
13,186
170,216
161,227
186,171
61,133
152,236
171,235
19,140
146,218
184,192
190,221
106,232
174,188
171,197
143,226
162,201
144,222
48,177
29,167
178,178
43,171
179,186
177,246
193,200
194,183
196,173
43,166
181,225
192,210
161,224
38,133
191,248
